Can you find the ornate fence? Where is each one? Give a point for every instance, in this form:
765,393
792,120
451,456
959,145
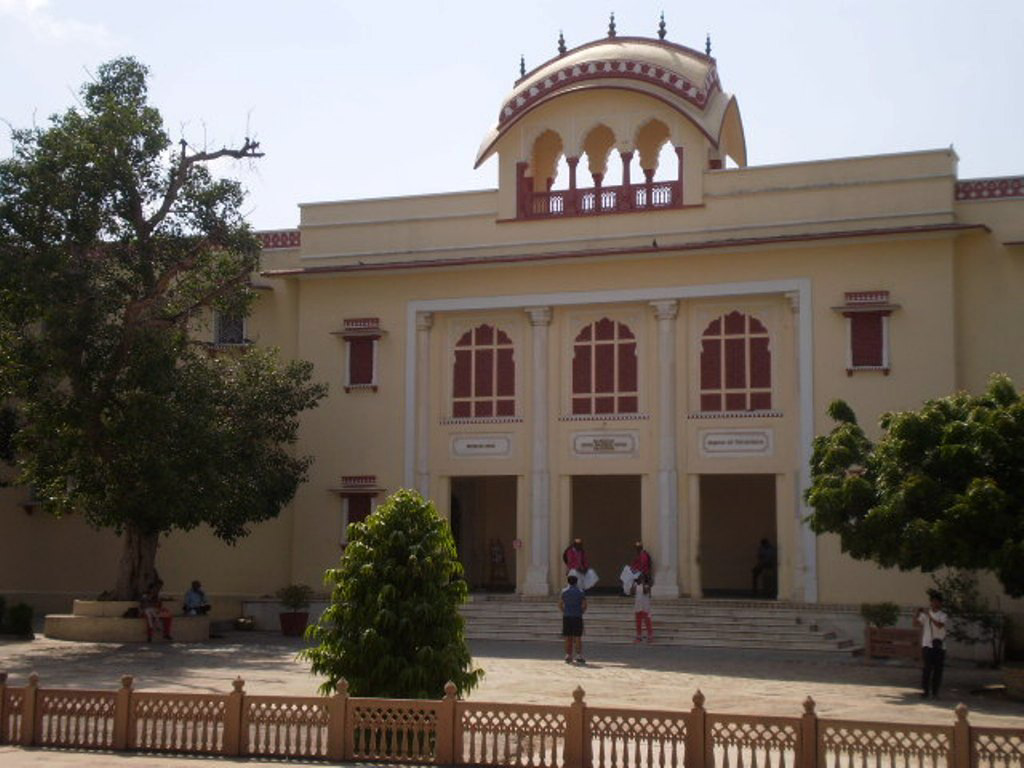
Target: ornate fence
453,732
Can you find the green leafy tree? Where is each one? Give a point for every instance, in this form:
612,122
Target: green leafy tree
943,487
393,627
114,245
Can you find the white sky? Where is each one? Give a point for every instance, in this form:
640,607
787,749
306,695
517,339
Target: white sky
367,99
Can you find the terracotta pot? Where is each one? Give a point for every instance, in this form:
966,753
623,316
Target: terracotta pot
293,624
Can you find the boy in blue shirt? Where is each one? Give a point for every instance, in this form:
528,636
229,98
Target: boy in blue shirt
573,604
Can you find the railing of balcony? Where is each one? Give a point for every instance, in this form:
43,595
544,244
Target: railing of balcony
588,202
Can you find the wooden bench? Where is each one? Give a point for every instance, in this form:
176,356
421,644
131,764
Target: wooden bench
891,643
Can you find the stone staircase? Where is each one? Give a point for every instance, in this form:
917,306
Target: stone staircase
680,622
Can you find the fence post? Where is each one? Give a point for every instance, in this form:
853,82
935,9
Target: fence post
696,725
337,717
808,736
961,738
122,713
28,711
233,718
445,747
575,751
3,703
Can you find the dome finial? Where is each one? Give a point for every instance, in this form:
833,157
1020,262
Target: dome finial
611,25
522,65
707,44
561,43
661,27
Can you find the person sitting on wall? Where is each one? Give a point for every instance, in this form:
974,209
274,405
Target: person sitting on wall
195,601
766,557
154,613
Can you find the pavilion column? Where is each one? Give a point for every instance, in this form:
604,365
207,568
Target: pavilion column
540,479
666,578
571,205
682,168
424,322
626,203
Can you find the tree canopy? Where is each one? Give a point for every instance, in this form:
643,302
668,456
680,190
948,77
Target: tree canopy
393,627
116,245
942,487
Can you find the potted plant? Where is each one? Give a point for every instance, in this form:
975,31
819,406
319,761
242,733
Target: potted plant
295,602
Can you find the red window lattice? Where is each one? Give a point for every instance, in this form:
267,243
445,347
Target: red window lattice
735,365
358,507
360,361
604,370
867,339
484,374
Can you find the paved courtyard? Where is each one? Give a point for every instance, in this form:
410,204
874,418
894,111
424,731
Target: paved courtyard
655,677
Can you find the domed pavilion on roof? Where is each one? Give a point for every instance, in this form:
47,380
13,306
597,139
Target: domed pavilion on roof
635,336
619,103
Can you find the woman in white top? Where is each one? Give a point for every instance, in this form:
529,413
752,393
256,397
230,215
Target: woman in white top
642,607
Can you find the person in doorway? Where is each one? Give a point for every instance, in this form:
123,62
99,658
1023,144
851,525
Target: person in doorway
154,613
642,564
764,564
573,604
195,601
575,558
932,621
642,608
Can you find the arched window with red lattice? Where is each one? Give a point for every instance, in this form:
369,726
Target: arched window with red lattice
604,370
484,374
735,364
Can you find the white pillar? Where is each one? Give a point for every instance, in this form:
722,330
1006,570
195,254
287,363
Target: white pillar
540,480
666,578
806,544
424,322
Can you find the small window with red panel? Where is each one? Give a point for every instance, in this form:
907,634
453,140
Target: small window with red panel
484,374
735,365
604,370
361,335
867,330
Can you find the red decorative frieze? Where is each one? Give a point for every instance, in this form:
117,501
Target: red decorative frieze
358,481
573,74
866,297
285,238
990,189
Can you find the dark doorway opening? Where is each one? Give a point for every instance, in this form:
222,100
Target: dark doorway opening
483,520
606,515
737,512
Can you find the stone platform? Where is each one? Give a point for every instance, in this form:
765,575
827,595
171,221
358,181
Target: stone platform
103,621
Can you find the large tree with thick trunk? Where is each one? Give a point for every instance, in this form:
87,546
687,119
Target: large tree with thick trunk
115,245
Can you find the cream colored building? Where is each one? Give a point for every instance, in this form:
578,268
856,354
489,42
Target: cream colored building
636,335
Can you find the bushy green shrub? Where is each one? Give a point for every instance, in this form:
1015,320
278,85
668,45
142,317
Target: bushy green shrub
880,614
19,620
295,597
393,627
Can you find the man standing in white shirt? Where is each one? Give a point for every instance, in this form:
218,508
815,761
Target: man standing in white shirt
932,621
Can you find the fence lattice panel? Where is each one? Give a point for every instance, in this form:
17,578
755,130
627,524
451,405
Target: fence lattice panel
396,731
883,745
741,741
636,739
997,748
77,719
182,722
510,734
12,724
274,726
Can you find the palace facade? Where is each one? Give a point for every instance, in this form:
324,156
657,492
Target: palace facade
635,336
